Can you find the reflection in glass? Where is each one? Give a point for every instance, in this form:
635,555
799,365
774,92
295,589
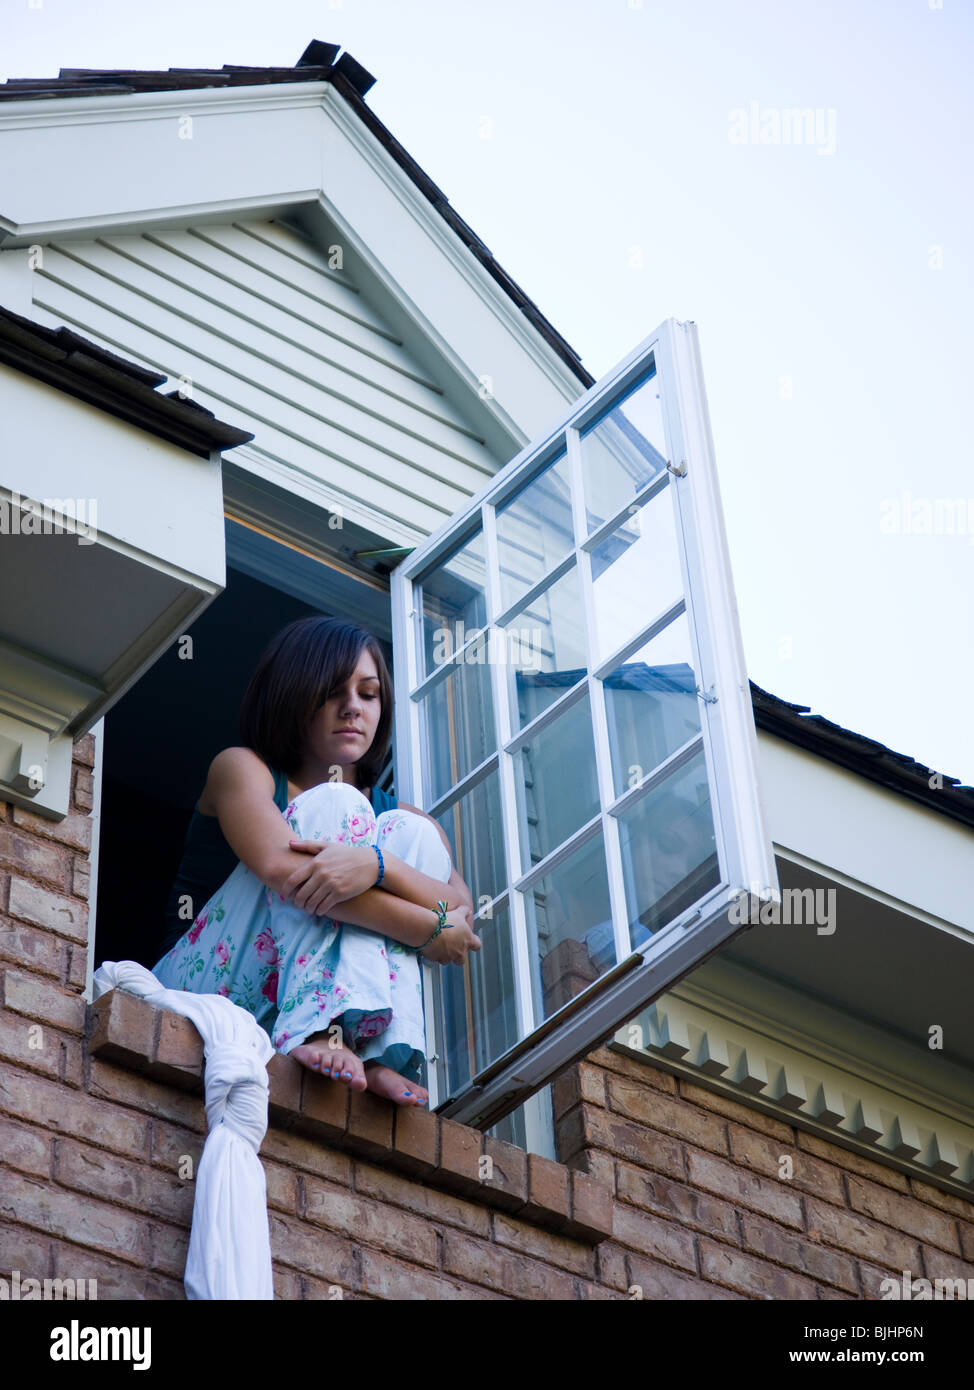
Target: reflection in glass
669,851
545,644
570,927
513,1129
457,719
651,705
475,830
534,531
636,574
453,602
477,1015
622,451
554,774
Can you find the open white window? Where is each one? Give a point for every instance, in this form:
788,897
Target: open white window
573,708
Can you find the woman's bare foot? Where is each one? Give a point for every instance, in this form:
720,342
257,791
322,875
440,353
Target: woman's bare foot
317,1054
386,1082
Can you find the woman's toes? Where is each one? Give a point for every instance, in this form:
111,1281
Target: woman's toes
346,1067
385,1082
335,1063
307,1056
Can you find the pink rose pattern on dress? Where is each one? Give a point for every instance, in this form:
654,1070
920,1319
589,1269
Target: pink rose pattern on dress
266,947
239,947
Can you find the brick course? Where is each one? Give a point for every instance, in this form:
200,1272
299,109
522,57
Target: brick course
664,1190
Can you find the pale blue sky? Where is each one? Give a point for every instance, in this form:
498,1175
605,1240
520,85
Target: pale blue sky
582,137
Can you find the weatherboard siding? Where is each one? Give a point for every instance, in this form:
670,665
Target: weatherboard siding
272,338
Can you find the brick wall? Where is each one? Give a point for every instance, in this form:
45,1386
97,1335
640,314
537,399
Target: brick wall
664,1188
703,1210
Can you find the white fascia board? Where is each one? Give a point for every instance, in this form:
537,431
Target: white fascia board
118,164
408,246
16,283
140,493
78,166
139,531
866,834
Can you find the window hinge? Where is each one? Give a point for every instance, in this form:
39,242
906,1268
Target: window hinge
680,470
707,695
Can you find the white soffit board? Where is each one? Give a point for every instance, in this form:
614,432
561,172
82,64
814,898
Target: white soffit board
874,837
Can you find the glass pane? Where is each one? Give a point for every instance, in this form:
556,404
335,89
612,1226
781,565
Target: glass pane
457,719
534,531
669,852
475,831
478,1020
512,1130
636,574
570,927
622,451
651,704
556,784
453,602
545,644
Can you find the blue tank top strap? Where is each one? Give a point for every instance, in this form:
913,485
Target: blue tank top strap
382,801
280,790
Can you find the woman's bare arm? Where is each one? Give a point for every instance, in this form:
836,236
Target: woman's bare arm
416,887
240,789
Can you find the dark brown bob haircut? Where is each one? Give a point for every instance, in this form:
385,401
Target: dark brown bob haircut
299,669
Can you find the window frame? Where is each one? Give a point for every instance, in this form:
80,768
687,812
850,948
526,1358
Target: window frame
727,735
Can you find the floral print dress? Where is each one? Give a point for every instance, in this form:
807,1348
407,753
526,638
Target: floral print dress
297,973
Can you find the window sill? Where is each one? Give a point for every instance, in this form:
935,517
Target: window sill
131,1033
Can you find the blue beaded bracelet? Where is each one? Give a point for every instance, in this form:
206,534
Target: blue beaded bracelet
382,867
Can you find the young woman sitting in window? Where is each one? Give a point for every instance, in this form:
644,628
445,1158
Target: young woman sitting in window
318,891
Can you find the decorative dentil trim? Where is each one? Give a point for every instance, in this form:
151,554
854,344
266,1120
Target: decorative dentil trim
836,1102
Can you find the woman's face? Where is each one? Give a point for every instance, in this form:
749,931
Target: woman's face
355,705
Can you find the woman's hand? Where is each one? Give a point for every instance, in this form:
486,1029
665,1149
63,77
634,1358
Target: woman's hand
337,872
454,941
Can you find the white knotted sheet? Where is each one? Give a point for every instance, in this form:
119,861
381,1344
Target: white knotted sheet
229,1246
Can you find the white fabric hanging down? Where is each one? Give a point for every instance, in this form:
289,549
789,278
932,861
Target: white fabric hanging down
229,1246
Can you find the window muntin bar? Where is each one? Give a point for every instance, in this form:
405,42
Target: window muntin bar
477,1014
556,782
634,569
534,531
513,610
452,602
570,928
500,678
466,784
472,652
457,720
568,847
572,686
634,644
659,774
545,648
473,825
669,849
651,705
644,494
622,450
